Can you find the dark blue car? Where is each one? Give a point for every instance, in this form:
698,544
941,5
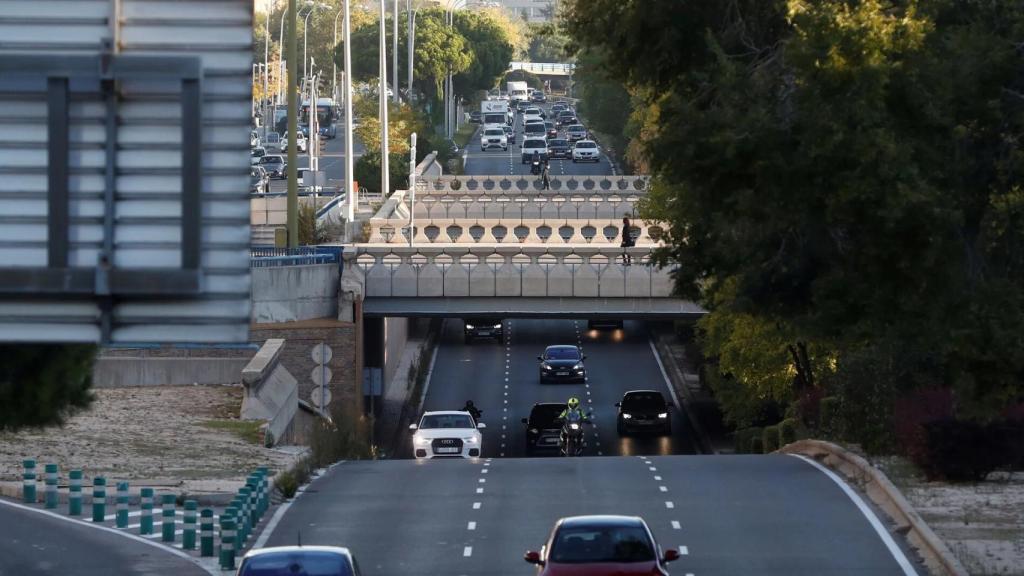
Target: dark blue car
305,560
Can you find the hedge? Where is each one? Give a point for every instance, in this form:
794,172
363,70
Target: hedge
787,431
770,439
743,437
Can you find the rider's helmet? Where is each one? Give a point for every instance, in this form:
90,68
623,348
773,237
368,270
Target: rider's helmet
574,403
469,403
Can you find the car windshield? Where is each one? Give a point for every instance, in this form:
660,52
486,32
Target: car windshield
534,128
575,128
586,545
271,160
259,152
534,144
494,132
642,400
273,138
431,421
586,145
565,353
558,143
305,562
545,414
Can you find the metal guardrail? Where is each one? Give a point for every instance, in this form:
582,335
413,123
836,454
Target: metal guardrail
270,257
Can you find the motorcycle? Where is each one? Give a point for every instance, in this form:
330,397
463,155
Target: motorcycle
535,168
473,411
571,437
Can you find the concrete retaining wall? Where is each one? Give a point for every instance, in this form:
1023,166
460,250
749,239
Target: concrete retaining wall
118,372
294,293
396,335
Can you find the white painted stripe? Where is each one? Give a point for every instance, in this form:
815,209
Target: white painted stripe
658,478
471,526
479,490
897,554
669,504
663,488
476,505
684,551
653,469
664,374
483,480
467,551
676,525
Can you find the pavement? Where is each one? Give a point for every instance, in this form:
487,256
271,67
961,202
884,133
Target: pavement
332,162
36,543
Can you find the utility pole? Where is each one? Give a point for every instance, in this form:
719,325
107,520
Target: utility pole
384,184
293,126
412,188
411,41
350,192
394,52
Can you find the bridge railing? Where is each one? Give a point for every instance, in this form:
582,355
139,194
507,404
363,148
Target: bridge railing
601,232
511,271
569,184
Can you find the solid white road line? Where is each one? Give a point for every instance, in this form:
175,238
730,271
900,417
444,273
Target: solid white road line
894,549
664,374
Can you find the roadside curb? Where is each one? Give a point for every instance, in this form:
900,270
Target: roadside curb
678,381
220,499
884,494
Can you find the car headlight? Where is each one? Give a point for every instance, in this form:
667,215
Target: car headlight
627,416
497,325
574,426
534,431
420,441
663,415
470,326
545,366
578,366
470,440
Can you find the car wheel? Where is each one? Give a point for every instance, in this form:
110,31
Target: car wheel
620,429
668,430
469,340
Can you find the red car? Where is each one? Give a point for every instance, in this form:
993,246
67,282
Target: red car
601,545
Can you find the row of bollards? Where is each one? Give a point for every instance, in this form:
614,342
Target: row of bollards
237,521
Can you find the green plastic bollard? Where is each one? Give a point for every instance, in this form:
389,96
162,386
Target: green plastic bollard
167,520
51,486
227,539
245,496
122,505
264,473
99,499
254,503
146,504
206,532
188,535
28,481
236,505
75,493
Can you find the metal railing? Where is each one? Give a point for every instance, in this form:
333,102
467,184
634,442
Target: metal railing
268,256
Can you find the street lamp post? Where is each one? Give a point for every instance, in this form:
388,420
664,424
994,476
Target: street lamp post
394,52
385,187
350,191
305,43
293,182
334,64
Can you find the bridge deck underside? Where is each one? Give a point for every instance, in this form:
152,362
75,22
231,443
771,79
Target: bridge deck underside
525,307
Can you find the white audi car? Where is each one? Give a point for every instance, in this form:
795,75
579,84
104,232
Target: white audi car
447,433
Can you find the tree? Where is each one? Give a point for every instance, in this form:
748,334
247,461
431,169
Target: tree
43,384
367,170
548,44
603,101
850,170
491,51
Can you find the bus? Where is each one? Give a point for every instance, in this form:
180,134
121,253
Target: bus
328,114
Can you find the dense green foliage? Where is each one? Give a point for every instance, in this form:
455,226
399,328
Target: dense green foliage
43,384
842,184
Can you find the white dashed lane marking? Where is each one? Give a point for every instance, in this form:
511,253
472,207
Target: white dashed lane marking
476,505
471,526
684,551
467,551
663,488
676,525
670,504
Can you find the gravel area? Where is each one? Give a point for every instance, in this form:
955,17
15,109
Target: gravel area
981,523
155,434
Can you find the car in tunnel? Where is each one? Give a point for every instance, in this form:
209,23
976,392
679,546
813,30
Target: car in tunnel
643,411
474,328
562,363
542,427
598,323
601,545
447,434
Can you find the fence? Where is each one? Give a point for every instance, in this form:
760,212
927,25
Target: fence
268,256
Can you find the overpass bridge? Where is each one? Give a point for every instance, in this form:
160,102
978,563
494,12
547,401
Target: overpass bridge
564,69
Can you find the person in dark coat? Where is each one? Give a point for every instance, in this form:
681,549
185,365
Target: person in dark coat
627,240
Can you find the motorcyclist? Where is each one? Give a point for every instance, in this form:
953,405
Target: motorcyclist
472,409
573,415
572,409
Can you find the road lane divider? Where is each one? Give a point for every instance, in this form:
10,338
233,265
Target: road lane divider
28,481
51,486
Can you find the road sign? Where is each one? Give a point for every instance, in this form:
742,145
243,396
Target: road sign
321,375
322,353
320,397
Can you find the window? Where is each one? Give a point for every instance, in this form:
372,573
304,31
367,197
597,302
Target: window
433,421
299,562
562,354
584,545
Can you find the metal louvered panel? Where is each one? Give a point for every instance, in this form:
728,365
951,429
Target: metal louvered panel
124,210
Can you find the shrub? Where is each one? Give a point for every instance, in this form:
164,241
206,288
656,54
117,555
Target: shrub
770,439
915,409
286,484
808,406
756,445
1008,436
959,451
787,431
828,416
743,437
44,384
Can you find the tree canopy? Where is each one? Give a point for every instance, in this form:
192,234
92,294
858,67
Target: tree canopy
842,178
43,384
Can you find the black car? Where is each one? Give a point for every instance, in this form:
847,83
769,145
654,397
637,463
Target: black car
522,105
484,328
559,148
474,116
562,364
275,165
598,323
566,118
538,96
644,411
542,427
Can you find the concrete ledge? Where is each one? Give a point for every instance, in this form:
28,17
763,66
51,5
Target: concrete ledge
937,557
123,372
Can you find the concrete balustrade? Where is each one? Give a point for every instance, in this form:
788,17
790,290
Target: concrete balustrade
524,183
524,205
514,231
509,271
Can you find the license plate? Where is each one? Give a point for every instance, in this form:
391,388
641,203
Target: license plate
484,333
561,373
645,421
447,450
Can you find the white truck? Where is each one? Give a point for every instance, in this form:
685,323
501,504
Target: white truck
518,91
494,112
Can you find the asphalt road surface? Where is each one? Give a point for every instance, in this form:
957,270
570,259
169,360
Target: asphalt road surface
729,515
495,162
617,361
332,162
32,543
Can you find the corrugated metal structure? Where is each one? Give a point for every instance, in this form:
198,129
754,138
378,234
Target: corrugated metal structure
124,170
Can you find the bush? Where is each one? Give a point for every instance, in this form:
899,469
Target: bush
286,484
1009,437
787,431
44,384
743,437
770,439
756,445
828,416
959,451
915,409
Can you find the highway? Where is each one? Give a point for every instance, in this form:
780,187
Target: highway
735,515
502,380
332,162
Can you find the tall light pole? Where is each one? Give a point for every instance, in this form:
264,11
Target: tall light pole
293,174
334,64
280,42
449,97
385,187
411,40
394,52
412,188
305,38
350,192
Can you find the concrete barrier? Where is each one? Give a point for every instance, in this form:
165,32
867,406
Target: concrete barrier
937,556
293,293
271,392
122,372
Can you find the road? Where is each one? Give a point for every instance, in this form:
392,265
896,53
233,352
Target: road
617,361
33,543
496,162
735,515
332,162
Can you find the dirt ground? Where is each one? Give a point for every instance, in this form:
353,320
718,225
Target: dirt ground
154,433
981,523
